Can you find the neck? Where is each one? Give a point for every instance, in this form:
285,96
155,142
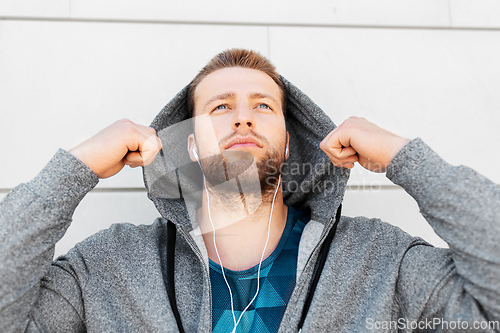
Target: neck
241,227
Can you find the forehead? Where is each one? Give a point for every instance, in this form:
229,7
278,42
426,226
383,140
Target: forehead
242,82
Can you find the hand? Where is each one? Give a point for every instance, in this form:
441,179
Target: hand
122,143
358,140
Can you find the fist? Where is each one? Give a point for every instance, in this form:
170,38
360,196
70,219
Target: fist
122,143
358,140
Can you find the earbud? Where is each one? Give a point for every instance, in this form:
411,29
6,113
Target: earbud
286,151
195,154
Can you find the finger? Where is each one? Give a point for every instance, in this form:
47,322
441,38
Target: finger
146,153
350,159
114,170
342,154
337,140
152,130
148,136
347,160
150,148
134,158
347,152
145,130
348,165
331,156
324,144
139,158
327,138
345,165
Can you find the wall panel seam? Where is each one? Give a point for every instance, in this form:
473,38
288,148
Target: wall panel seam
254,24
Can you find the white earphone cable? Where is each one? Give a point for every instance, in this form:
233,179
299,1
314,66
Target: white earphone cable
261,257
216,250
236,322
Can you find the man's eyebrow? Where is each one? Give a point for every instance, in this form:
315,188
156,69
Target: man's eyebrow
227,95
257,95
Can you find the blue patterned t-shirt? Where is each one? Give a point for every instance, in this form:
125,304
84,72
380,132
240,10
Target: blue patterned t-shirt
277,280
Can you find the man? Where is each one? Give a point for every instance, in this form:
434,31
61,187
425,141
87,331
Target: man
240,244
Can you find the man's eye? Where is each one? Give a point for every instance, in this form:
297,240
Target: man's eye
264,106
220,107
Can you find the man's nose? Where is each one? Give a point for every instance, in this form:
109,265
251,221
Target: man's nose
243,117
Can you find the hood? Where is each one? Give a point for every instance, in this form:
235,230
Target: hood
310,181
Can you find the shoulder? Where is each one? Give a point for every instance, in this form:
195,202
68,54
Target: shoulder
377,239
125,231
375,230
119,250
120,240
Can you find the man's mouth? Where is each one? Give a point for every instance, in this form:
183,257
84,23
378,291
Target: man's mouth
243,142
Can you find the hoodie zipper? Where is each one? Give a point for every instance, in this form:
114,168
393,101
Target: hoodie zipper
323,236
304,283
206,272
320,242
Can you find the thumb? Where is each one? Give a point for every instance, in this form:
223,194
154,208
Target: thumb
146,153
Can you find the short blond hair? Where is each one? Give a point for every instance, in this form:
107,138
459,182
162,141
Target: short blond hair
236,58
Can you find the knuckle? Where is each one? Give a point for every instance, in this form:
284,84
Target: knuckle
124,121
125,125
129,128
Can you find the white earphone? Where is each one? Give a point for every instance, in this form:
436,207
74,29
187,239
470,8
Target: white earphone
286,151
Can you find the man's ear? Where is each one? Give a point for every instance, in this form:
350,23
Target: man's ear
191,147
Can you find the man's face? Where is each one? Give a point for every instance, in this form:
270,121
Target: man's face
243,108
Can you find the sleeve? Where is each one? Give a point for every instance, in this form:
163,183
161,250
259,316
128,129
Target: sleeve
33,217
459,286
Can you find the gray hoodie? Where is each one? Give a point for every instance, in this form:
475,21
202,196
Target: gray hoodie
376,277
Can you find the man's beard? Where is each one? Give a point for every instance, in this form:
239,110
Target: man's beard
237,165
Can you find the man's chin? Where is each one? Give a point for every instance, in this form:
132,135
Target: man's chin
253,174
237,162
221,168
